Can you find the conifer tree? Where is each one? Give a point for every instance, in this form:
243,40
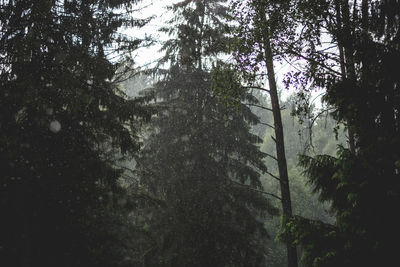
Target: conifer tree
62,121
361,182
201,160
259,30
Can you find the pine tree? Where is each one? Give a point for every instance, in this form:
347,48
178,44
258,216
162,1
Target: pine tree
201,160
62,121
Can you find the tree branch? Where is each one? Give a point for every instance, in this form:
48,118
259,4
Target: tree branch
316,62
269,155
256,87
256,190
258,106
273,176
266,124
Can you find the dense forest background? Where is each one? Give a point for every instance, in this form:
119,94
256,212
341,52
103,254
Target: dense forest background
210,155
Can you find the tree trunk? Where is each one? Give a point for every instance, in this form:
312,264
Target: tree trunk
279,140
346,55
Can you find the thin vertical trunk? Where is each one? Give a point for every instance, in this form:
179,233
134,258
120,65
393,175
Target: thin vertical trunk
347,41
280,149
200,44
364,38
340,45
364,15
279,139
346,53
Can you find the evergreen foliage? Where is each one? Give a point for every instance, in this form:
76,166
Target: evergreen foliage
254,52
62,122
76,191
361,183
201,160
203,163
297,141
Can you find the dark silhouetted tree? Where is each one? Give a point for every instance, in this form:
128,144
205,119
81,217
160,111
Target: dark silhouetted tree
62,123
362,182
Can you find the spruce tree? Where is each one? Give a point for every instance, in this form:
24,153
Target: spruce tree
200,159
62,121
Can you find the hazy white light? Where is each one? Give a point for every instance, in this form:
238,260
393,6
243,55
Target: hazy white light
55,126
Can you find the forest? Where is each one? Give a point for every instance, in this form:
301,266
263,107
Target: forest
257,133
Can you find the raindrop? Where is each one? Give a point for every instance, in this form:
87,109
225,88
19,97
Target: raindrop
55,126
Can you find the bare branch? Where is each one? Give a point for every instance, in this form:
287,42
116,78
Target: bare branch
271,156
258,106
316,62
266,124
273,176
256,190
313,121
256,87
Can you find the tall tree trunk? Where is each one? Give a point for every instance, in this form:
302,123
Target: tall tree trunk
346,54
279,139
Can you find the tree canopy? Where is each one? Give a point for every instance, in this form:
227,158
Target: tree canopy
194,169
63,121
200,158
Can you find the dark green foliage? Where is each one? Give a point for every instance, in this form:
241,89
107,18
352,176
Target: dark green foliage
62,122
359,215
201,32
201,160
297,141
363,185
326,175
226,84
259,26
316,238
247,45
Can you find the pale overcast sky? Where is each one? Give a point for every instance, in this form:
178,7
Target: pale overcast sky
156,9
